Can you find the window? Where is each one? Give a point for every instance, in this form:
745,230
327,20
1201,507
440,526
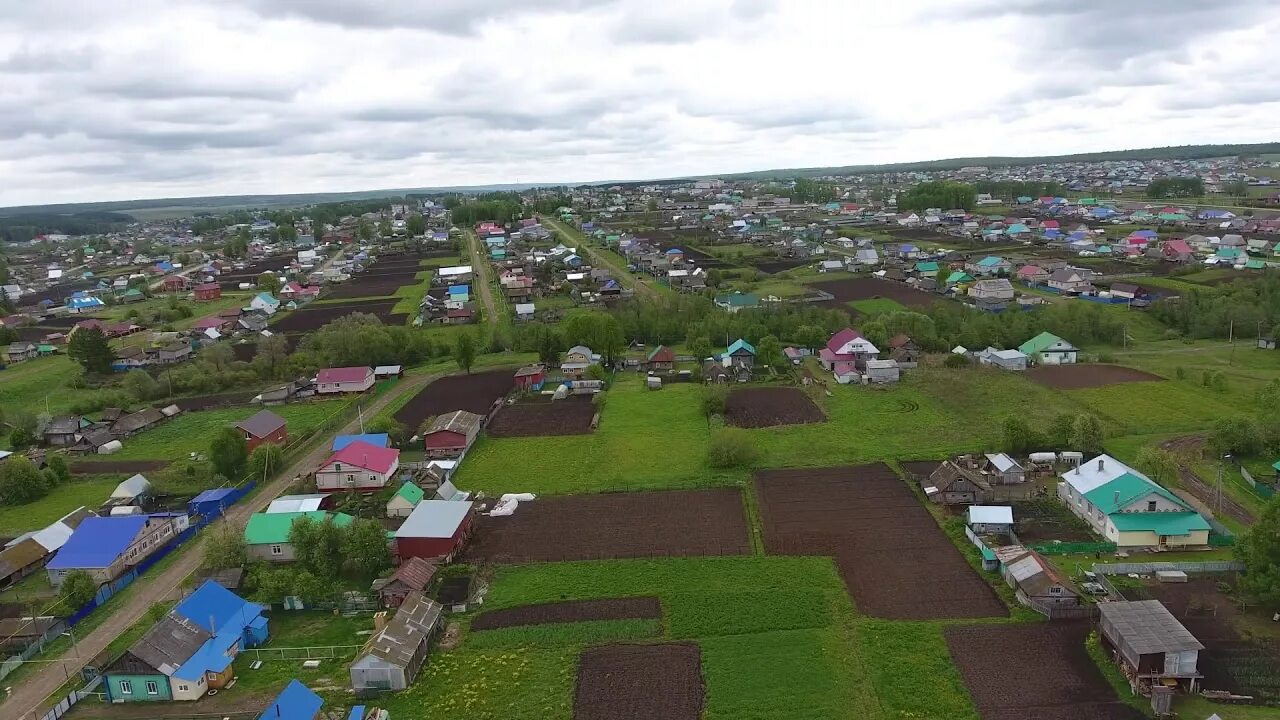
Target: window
351,479
152,688
337,467
1055,590
1151,506
277,550
182,687
126,687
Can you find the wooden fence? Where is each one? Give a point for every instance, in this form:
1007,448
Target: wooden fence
1147,568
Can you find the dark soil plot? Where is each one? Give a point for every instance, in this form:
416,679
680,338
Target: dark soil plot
571,416
920,468
675,523
570,611
1229,661
1086,375
314,317
767,407
1048,520
58,293
905,234
205,402
474,393
34,334
640,682
773,267
1037,671
361,286
866,288
110,467
895,560
68,321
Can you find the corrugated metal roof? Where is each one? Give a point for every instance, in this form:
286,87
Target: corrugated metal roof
434,519
1148,627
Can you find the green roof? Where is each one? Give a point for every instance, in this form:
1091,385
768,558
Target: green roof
1088,201
989,261
1160,523
411,493
926,267
655,351
1111,497
1254,264
740,344
959,276
739,299
266,528
1039,343
1276,465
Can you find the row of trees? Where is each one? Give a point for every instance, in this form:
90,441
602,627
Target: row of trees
1241,308
945,325
1176,187
943,194
1083,433
1013,189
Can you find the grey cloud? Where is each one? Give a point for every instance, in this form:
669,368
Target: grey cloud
150,87
450,17
30,60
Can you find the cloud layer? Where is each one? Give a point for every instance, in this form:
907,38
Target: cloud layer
147,98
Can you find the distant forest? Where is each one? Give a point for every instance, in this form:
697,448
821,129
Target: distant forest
25,226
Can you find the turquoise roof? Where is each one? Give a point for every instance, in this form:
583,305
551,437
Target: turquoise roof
1111,497
740,344
739,300
1160,523
1276,465
1229,252
959,276
989,261
927,267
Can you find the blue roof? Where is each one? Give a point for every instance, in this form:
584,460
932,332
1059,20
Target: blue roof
740,344
98,541
83,302
611,285
215,609
357,713
675,251
266,298
459,289
1144,233
295,702
376,439
212,495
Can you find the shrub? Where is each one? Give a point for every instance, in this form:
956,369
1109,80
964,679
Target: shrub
955,361
731,447
714,399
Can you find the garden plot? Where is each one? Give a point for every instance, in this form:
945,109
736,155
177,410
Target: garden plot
866,288
775,266
1043,521
314,317
1040,671
570,611
1087,375
364,285
895,560
768,407
640,682
621,525
474,393
540,416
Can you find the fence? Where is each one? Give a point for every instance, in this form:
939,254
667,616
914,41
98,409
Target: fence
1073,547
1213,566
1060,612
320,652
1222,540
64,705
1261,489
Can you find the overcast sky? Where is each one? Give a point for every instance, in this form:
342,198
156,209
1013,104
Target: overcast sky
113,100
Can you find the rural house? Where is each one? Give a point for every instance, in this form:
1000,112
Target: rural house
377,439
737,301
1049,349
1003,359
451,434
264,303
108,547
990,265
266,535
63,431
577,360
530,377
343,380
394,655
905,350
21,351
405,500
660,358
992,292
950,484
20,559
995,519
264,427
1128,508
190,651
1068,281
435,529
358,466
413,575
207,291
1035,582
1153,647
847,346
881,372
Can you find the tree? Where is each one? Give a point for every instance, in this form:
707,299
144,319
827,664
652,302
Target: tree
944,194
365,230
954,361
714,400
1159,464
1087,434
1061,429
464,351
139,384
1259,549
227,453
384,228
225,548
700,347
395,431
1237,436
288,233
810,337
21,481
273,352
77,589
1236,188
317,546
269,282
769,352
1017,435
365,548
1175,187
731,447
265,461
549,348
415,225
89,348
57,465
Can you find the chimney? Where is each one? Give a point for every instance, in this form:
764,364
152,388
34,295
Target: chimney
1116,501
1100,461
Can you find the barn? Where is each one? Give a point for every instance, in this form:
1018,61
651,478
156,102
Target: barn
531,377
451,434
264,427
435,529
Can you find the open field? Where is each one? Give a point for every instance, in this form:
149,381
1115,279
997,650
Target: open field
1087,375
639,682
39,384
62,499
1155,407
569,611
894,558
192,432
873,306
541,416
315,316
627,525
1045,672
475,393
768,407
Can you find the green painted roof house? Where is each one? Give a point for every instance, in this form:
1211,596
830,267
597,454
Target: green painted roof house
1118,494
740,345
959,276
1254,264
990,261
1172,217
1047,342
269,528
927,267
411,493
1088,201
738,300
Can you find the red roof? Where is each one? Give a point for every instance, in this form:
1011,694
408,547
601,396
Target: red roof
1030,270
459,313
899,340
91,324
365,456
841,338
203,287
209,322
1049,224
844,368
343,375
1178,246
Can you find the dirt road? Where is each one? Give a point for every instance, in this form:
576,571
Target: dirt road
1204,491
627,279
27,698
480,264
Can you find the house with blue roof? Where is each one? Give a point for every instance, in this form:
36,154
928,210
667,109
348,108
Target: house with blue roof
108,547
296,702
190,651
84,303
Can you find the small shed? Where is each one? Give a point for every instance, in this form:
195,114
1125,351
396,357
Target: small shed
384,372
451,434
295,702
413,575
394,655
404,501
530,377
135,488
212,503
263,427
1151,644
991,518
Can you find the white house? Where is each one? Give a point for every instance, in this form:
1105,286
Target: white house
344,380
1128,508
358,466
265,303
1049,349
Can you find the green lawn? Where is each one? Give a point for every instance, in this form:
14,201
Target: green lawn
39,384
871,306
192,432
62,499
1156,407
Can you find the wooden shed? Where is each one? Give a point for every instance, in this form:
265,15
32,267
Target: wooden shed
1150,643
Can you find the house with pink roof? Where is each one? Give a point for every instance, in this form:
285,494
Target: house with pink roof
847,346
344,380
359,466
1176,251
1033,274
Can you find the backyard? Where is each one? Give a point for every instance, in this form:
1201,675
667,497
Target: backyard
191,432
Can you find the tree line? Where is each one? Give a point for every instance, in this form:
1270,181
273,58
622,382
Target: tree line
1243,308
1176,187
942,194
1012,189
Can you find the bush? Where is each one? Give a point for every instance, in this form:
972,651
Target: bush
731,447
1106,357
714,399
77,589
1180,372
955,361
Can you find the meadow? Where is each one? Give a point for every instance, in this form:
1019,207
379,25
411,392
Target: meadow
60,500
192,432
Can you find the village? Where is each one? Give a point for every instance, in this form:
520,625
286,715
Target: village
709,448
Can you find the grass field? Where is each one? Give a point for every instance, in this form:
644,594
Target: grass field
62,499
871,306
39,384
192,432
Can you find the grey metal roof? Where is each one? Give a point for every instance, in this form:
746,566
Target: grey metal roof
434,519
1148,627
261,424
169,643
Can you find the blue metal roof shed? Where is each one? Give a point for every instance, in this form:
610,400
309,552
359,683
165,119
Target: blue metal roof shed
295,702
98,541
212,503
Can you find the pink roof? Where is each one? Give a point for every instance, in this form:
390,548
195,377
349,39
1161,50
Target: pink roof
365,456
826,355
791,352
841,338
1178,246
206,323
291,286
844,368
207,286
1030,270
343,375
1047,224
